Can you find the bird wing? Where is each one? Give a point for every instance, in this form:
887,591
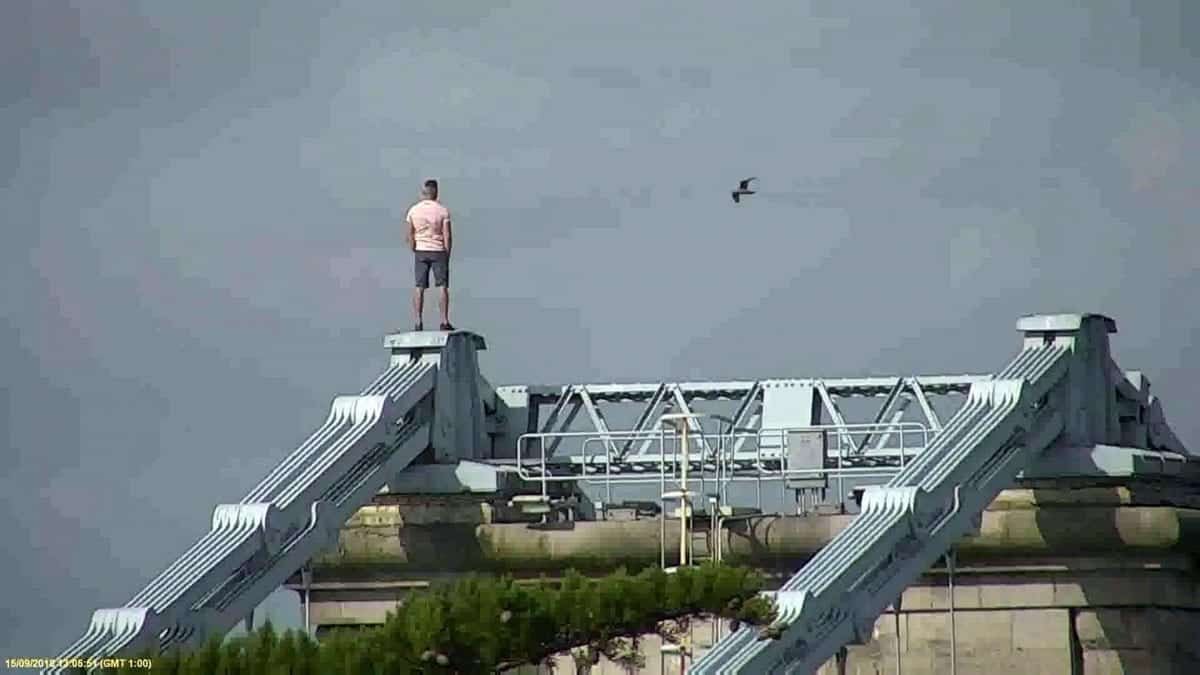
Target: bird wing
735,198
745,185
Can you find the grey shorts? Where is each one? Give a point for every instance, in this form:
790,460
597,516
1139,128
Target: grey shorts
439,261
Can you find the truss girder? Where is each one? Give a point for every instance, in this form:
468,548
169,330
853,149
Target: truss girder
566,402
935,385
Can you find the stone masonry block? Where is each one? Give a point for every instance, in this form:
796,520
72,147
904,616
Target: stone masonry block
1069,593
1032,662
982,631
920,629
976,631
922,597
1159,630
860,662
1010,594
885,625
1122,662
938,598
968,597
1035,629
1090,629
377,516
1115,589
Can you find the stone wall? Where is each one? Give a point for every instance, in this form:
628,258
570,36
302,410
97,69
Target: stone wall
1082,618
1138,640
1093,581
1088,617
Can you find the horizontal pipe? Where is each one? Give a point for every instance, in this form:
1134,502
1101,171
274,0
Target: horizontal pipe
763,541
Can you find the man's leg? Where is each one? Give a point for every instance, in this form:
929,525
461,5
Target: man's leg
418,303
441,277
421,269
444,305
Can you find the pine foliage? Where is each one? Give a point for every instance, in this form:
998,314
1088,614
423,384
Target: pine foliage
481,625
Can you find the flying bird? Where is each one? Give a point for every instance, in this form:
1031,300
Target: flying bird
743,189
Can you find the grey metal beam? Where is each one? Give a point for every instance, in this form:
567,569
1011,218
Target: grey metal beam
748,414
693,424
736,389
576,404
897,417
564,397
598,420
646,420
917,385
891,398
835,414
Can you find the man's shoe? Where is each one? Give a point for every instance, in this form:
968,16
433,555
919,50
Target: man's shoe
446,326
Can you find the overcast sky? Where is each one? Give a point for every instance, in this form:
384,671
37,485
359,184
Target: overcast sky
200,241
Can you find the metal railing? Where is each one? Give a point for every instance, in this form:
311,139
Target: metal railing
714,455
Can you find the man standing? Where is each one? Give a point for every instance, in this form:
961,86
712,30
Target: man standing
429,238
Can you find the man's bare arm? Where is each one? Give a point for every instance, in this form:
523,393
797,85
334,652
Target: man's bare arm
446,235
411,235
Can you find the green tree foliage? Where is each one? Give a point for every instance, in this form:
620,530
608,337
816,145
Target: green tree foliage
480,625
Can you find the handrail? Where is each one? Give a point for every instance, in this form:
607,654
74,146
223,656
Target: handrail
768,463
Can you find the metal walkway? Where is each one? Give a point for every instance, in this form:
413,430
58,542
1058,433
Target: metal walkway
1059,389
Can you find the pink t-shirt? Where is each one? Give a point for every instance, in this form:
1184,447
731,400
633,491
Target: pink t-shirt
429,220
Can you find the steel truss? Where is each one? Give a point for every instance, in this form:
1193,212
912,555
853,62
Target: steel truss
634,446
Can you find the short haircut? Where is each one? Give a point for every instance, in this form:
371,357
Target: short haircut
430,188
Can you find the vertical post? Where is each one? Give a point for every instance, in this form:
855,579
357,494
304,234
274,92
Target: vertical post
663,501
545,474
684,501
608,493
896,620
783,464
953,642
713,520
306,581
249,621
758,469
841,482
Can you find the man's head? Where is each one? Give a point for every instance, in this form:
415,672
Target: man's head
430,189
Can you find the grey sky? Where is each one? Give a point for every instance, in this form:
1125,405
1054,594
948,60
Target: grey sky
200,247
